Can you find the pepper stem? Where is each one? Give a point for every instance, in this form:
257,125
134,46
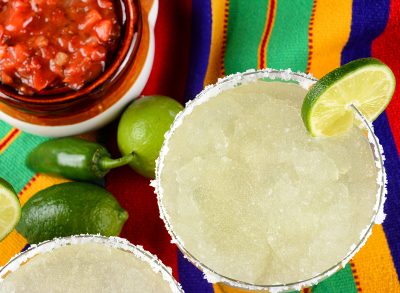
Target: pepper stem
106,163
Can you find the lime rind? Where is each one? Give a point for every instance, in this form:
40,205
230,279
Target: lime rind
10,210
338,89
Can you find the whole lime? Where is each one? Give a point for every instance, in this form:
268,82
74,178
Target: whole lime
141,130
68,209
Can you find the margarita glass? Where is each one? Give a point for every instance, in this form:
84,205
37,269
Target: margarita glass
87,263
252,199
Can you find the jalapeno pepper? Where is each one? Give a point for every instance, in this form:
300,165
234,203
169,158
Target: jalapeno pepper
74,158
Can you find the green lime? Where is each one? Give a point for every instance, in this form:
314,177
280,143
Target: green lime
10,208
71,208
141,130
367,83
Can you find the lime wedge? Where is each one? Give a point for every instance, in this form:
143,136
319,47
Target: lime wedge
367,83
10,208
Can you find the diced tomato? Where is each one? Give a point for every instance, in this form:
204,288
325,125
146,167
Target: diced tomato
61,58
41,41
58,17
55,43
1,32
91,19
40,80
37,3
47,53
93,41
105,4
103,30
95,53
5,78
19,53
63,42
20,5
35,63
3,51
93,70
74,44
15,22
73,76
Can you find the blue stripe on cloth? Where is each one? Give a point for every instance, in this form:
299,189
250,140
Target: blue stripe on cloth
191,278
391,225
200,47
25,247
368,20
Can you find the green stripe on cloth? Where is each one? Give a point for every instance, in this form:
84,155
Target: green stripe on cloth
246,23
342,281
14,157
4,129
288,44
288,48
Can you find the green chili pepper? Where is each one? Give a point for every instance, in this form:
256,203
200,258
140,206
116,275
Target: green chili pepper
74,158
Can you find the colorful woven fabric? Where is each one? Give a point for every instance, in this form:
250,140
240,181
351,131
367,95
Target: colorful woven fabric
200,40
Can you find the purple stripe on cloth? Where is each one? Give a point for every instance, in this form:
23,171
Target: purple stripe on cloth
26,247
368,20
391,225
191,278
199,47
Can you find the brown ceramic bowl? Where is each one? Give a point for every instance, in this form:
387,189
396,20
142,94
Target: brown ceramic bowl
62,111
55,101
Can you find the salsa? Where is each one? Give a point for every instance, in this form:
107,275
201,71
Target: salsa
46,44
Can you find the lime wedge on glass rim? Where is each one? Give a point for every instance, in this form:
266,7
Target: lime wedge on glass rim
10,208
368,84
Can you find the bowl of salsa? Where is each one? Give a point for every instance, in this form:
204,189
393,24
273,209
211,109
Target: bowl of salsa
70,66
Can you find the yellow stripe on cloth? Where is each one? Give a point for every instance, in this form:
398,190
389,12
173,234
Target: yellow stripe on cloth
15,242
220,10
10,246
373,267
222,288
328,33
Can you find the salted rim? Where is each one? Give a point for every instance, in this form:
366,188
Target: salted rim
305,81
114,242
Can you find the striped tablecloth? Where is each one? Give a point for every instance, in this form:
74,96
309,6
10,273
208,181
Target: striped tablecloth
200,40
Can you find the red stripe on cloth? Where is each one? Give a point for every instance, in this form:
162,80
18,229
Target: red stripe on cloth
310,36
168,77
10,136
386,48
144,226
25,188
171,62
224,38
355,276
267,33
